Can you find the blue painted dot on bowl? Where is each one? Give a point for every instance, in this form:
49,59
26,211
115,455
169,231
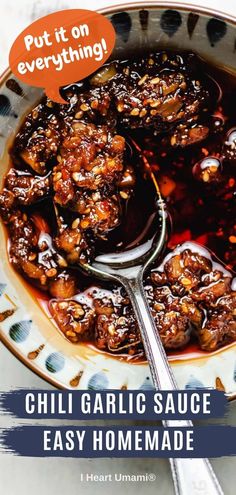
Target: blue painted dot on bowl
19,331
55,362
14,86
99,381
191,23
194,383
143,19
5,105
147,384
2,288
122,23
170,22
216,30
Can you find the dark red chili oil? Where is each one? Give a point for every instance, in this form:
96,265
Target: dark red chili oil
199,210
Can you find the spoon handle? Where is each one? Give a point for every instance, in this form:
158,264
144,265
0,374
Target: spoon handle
195,477
190,476
161,372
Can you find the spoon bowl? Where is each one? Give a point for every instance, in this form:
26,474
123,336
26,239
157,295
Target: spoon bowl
136,258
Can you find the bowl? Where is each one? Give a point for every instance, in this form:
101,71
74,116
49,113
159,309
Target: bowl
25,328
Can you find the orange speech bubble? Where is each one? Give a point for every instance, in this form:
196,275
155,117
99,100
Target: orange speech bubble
62,48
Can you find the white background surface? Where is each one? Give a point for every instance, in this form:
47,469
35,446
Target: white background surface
23,476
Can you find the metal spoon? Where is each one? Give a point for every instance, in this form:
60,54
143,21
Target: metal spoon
190,476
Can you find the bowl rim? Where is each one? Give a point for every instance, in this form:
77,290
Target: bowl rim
151,5
168,4
155,4
111,9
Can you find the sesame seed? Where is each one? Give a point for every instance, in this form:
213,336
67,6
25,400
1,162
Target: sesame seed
155,103
62,262
78,115
155,80
142,80
84,107
75,223
32,257
76,176
51,272
124,195
57,176
143,113
111,329
120,107
78,311
94,104
186,281
69,333
134,112
205,176
84,224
